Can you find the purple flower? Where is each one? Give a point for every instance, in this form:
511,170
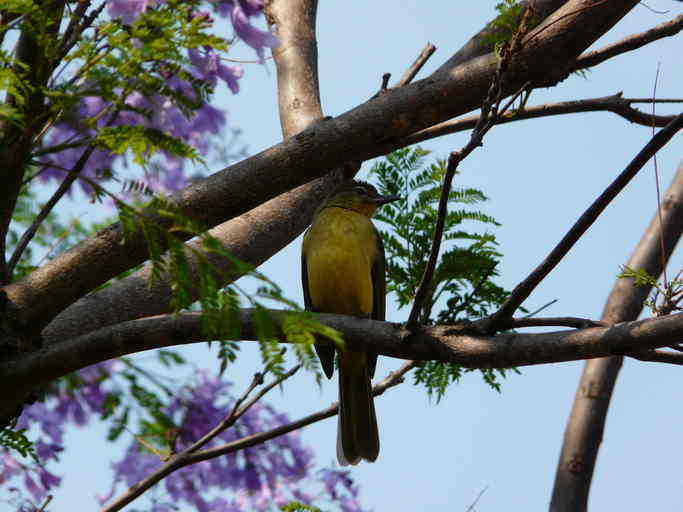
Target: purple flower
257,39
33,487
49,480
208,66
128,10
239,12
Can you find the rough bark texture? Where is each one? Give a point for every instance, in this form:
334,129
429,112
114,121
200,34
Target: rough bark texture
586,423
440,343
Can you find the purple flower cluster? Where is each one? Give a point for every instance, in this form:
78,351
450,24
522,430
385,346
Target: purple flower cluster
66,405
205,64
257,478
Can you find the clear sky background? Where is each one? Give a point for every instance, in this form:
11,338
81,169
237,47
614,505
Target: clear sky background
540,175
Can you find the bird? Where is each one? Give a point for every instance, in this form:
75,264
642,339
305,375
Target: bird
343,272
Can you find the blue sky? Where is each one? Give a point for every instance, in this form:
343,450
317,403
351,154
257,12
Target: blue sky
540,175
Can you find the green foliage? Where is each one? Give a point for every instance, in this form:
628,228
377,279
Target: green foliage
296,506
665,297
462,278
503,26
143,142
17,440
115,62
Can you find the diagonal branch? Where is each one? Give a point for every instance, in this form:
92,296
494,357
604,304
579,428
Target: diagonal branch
416,66
583,433
501,318
630,43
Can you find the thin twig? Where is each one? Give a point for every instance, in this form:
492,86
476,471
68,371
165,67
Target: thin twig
238,410
501,319
416,66
544,306
48,499
385,82
630,43
47,208
182,459
658,356
476,500
659,195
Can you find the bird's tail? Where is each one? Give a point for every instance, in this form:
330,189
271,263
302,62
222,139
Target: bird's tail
357,435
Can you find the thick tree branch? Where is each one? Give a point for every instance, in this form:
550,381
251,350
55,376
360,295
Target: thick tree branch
630,43
501,318
457,345
35,60
583,434
482,42
355,135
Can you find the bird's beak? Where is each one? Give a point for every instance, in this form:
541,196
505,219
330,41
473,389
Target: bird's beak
386,199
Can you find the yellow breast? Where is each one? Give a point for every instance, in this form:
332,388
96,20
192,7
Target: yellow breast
340,249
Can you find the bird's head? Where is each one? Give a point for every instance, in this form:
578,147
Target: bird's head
358,196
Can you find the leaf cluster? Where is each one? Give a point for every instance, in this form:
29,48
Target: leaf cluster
16,440
665,298
462,286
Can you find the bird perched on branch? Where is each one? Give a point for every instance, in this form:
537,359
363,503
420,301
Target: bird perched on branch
342,268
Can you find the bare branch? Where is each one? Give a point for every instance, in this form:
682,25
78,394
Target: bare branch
416,66
583,433
567,321
659,356
630,43
501,318
614,103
